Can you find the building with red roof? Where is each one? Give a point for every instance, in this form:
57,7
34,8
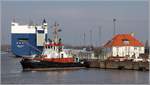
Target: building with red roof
124,45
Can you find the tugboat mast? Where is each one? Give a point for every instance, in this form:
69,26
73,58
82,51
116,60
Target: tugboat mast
56,40
56,36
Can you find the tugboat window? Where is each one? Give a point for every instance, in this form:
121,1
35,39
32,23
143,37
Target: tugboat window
77,59
62,55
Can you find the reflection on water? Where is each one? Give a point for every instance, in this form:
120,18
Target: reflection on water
12,73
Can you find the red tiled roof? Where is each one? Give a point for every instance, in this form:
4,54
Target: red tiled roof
123,40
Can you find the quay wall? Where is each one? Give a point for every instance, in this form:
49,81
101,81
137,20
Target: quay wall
128,65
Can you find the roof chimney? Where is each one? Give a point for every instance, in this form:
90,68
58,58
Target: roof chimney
132,34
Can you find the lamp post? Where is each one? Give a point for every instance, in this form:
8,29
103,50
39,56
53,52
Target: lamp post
114,22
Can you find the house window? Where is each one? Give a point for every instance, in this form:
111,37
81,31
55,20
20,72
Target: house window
141,49
117,49
125,41
135,48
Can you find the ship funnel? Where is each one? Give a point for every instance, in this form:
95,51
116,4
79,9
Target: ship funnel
44,23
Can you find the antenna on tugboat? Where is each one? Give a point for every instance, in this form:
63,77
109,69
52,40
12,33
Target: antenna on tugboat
84,42
100,28
91,38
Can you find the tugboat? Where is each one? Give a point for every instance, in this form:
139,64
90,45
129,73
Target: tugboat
53,56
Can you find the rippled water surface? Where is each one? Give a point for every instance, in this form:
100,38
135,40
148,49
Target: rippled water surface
11,73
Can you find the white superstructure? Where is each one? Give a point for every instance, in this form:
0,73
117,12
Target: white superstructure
19,29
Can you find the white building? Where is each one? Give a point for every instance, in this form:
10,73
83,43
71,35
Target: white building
81,53
124,45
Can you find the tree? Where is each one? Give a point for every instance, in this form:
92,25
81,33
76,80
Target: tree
147,47
97,52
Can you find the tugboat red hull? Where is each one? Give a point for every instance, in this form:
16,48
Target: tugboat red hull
29,64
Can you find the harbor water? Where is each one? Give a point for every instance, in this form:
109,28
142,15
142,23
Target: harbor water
11,73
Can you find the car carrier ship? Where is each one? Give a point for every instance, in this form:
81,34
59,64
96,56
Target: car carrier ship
28,39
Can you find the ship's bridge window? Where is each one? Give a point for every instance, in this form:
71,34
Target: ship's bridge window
49,46
40,31
23,39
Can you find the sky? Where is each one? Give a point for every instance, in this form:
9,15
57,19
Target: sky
79,17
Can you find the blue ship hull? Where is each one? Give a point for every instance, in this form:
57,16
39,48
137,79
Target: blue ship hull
25,44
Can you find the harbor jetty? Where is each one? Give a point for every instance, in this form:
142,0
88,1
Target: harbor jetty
122,65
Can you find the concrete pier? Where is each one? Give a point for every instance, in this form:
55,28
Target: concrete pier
127,65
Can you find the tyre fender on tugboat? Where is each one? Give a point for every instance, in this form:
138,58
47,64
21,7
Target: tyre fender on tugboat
85,62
